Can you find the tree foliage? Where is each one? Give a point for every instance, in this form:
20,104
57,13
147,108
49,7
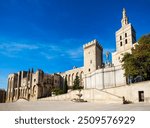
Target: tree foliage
57,91
138,62
76,84
144,39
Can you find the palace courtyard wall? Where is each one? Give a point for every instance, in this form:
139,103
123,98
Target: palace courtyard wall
109,95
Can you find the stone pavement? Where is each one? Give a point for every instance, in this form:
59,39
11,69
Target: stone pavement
71,106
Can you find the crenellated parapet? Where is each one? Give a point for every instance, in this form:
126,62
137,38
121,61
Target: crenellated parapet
93,42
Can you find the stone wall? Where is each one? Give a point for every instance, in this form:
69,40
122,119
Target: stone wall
131,92
110,95
71,75
93,60
2,96
105,78
29,85
91,95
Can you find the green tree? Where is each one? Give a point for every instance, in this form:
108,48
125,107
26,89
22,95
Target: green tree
76,84
57,91
138,62
144,39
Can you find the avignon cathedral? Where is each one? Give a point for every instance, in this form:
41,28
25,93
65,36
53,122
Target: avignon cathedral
94,74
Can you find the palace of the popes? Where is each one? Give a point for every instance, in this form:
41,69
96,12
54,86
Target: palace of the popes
101,82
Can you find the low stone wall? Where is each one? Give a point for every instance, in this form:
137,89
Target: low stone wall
91,95
131,92
110,95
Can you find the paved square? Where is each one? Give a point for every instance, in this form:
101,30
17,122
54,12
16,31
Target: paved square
71,106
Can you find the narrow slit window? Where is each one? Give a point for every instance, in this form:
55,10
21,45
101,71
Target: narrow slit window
120,37
126,41
120,43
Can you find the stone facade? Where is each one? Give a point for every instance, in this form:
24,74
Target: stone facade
93,56
94,74
71,74
97,75
93,52
131,93
2,96
125,39
105,78
29,85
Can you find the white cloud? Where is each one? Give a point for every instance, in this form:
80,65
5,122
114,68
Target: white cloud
46,55
8,54
54,48
13,49
47,50
75,53
13,46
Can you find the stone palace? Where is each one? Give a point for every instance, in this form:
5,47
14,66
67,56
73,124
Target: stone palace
94,74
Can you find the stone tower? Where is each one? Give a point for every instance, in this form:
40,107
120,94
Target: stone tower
125,38
93,54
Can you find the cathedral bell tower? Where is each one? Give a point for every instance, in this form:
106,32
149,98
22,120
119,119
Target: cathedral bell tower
125,38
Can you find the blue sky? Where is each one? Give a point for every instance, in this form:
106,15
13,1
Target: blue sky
49,34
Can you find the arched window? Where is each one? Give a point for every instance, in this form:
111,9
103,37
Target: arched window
125,34
81,78
69,80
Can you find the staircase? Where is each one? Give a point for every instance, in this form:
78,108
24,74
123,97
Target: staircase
91,95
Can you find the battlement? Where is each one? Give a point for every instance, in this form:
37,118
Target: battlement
93,42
